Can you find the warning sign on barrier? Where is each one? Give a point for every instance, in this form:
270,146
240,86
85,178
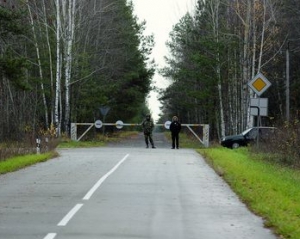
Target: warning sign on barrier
119,124
98,124
167,124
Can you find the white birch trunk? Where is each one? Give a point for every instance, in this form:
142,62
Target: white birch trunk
214,9
253,66
246,75
39,65
57,116
245,35
262,41
68,58
50,62
254,41
262,37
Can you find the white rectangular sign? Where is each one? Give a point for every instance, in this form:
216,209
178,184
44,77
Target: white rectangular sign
261,103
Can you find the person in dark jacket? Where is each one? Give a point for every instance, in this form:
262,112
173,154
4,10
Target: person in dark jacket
148,126
175,128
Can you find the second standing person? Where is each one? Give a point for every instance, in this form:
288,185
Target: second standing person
175,128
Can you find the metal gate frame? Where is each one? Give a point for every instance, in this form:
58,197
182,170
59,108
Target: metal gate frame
120,124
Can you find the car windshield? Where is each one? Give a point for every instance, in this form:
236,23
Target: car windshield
246,131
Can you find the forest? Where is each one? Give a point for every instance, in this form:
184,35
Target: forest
60,61
218,50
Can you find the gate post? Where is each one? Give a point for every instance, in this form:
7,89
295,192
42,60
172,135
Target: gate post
206,135
73,131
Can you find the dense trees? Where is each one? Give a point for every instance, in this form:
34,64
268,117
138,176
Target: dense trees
13,65
62,60
218,50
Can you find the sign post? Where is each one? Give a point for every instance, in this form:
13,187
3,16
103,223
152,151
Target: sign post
259,84
104,111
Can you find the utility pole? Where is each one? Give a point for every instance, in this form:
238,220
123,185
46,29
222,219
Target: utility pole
287,86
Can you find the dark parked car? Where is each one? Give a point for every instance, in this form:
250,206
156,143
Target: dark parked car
247,136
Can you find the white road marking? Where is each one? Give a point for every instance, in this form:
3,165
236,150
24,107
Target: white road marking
76,208
101,180
50,236
69,216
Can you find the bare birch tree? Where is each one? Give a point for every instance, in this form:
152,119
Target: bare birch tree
39,64
214,10
68,56
57,115
51,62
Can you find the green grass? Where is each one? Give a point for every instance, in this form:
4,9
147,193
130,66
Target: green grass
270,190
16,163
100,141
80,144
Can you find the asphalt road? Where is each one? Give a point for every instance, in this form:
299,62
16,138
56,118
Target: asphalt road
124,191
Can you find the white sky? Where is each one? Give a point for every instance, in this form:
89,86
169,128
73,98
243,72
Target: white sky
160,17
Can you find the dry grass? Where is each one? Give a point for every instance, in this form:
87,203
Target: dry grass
29,146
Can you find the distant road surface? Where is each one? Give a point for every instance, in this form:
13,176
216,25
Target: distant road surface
124,191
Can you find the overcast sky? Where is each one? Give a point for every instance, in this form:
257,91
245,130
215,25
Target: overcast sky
160,16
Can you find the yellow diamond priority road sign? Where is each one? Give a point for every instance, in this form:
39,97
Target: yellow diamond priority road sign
259,84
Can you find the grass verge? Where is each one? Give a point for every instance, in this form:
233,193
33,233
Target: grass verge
100,141
12,164
269,190
16,163
80,144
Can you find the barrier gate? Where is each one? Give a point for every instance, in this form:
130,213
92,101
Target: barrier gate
119,125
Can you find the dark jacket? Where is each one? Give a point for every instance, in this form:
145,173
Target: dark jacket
175,127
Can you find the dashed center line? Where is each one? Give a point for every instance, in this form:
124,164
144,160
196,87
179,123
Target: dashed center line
102,179
77,207
69,216
50,236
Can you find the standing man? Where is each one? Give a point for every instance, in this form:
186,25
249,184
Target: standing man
148,126
175,128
